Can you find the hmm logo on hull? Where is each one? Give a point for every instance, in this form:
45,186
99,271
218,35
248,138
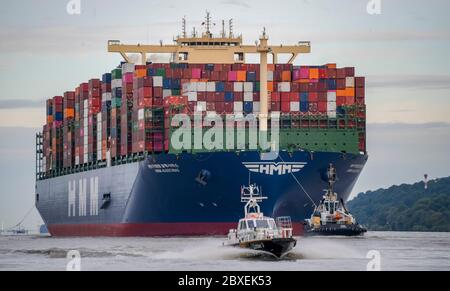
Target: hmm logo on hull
82,197
272,168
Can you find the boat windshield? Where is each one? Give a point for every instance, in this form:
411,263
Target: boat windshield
251,224
262,224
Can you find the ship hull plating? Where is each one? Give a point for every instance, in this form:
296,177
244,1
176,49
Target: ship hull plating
188,194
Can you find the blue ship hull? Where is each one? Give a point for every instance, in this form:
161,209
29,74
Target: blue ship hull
189,194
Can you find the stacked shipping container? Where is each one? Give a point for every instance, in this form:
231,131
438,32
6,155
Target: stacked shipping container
124,111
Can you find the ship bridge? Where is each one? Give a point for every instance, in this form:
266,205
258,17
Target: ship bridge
223,49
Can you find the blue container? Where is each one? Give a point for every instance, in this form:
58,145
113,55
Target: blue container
58,116
304,106
176,84
303,97
229,97
248,107
167,83
117,92
220,86
340,110
151,72
49,110
251,76
331,84
209,67
106,78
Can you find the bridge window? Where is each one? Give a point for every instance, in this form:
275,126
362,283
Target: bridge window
262,224
183,56
251,224
239,57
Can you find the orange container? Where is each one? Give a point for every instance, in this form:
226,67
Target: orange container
49,119
341,93
350,92
286,76
271,67
241,76
270,86
140,73
331,66
314,73
69,113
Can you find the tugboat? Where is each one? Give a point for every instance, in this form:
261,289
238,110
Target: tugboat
258,232
331,217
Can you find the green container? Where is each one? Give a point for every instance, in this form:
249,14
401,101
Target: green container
257,87
176,92
161,72
116,74
116,102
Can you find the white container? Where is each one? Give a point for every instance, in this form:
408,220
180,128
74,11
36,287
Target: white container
248,96
238,106
331,96
116,83
190,87
201,86
248,87
350,82
106,96
201,106
77,160
192,96
284,87
295,106
141,114
331,106
211,87
270,76
157,81
331,114
127,68
256,107
167,93
238,86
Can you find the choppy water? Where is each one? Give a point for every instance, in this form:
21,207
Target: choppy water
398,251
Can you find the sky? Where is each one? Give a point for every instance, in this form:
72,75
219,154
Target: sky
403,52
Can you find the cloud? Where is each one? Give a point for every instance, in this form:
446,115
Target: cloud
409,81
243,4
20,103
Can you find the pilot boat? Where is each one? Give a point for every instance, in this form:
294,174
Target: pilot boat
258,232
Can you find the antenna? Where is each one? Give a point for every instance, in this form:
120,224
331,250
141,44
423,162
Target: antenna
194,33
208,23
230,24
223,28
183,27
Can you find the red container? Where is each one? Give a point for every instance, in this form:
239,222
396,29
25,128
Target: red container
220,107
340,84
238,96
276,96
275,106
210,97
360,92
294,96
341,100
285,97
314,97
332,73
359,82
350,72
201,96
229,107
322,106
285,107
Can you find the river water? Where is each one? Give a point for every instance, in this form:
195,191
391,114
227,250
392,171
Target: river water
386,251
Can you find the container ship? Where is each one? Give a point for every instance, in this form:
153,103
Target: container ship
106,164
